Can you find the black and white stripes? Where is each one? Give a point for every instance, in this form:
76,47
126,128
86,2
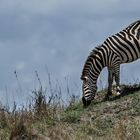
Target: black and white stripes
123,47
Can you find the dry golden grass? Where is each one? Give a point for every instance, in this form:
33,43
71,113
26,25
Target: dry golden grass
117,119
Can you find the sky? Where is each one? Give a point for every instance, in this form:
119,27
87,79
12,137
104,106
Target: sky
55,37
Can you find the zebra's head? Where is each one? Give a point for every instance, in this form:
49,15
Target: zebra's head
89,90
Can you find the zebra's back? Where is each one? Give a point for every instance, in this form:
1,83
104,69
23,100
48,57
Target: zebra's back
126,43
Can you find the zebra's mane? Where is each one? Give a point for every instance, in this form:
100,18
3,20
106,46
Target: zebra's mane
92,55
132,24
95,50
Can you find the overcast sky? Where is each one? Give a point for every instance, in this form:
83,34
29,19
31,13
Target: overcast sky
56,36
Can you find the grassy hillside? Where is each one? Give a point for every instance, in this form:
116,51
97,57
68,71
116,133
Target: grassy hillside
117,119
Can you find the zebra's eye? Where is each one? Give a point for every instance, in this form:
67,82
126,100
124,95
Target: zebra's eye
84,78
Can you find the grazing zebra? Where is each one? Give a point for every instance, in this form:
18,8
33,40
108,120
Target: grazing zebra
123,47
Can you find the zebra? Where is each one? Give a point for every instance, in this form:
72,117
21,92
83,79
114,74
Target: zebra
122,47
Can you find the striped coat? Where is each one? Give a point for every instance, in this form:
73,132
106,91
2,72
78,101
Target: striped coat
123,47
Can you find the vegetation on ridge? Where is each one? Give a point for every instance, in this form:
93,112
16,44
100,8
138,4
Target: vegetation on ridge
117,119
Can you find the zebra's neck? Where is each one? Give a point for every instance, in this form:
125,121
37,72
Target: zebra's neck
94,64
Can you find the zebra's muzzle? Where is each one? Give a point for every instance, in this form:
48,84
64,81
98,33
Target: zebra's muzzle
86,102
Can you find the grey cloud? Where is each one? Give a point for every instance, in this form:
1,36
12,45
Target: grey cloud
36,34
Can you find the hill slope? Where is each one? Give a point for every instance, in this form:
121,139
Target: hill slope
117,119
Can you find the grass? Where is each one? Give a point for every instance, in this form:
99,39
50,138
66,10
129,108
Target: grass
117,119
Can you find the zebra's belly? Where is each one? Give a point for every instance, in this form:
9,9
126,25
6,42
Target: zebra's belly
130,59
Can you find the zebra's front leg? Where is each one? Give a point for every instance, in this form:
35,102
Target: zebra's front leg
110,82
117,80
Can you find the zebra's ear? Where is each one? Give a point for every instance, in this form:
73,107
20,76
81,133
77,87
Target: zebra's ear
138,34
84,78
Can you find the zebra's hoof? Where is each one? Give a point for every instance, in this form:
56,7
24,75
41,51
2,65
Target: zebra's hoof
107,98
118,93
86,102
